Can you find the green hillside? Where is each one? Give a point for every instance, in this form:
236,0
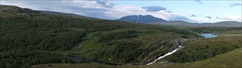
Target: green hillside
231,59
206,48
228,57
30,37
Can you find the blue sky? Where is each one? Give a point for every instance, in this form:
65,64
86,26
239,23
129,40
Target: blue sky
201,11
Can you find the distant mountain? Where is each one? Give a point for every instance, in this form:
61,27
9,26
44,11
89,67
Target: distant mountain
224,24
141,19
217,24
181,18
178,21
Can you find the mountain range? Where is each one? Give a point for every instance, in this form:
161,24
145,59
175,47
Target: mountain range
217,24
141,19
149,19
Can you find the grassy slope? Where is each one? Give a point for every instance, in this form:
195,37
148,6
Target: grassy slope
232,59
80,65
206,48
229,43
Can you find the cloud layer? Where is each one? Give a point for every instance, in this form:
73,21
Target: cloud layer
209,17
154,8
235,4
105,9
199,1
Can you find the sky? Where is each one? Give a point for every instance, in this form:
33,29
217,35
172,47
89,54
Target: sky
200,11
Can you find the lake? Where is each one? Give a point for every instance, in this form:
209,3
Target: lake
208,35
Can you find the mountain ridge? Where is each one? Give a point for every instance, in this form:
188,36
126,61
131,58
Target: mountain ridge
154,20
217,24
141,19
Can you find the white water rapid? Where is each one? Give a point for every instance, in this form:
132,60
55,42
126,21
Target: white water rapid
167,54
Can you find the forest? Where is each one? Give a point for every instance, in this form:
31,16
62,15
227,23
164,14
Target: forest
29,37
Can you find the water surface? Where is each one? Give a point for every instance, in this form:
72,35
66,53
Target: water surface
209,35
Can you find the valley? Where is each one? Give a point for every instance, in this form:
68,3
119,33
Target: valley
42,39
228,59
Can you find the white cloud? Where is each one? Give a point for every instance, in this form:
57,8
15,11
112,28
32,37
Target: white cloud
215,9
199,1
216,5
235,4
87,4
87,7
232,18
120,11
82,7
202,19
100,4
163,14
106,9
153,8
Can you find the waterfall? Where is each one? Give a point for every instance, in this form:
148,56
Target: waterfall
167,54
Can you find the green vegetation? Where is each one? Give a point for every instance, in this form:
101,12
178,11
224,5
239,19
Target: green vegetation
207,48
30,37
220,30
230,59
187,24
77,65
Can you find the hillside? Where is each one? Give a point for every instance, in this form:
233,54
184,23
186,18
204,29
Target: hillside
176,23
196,50
230,58
29,37
225,24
